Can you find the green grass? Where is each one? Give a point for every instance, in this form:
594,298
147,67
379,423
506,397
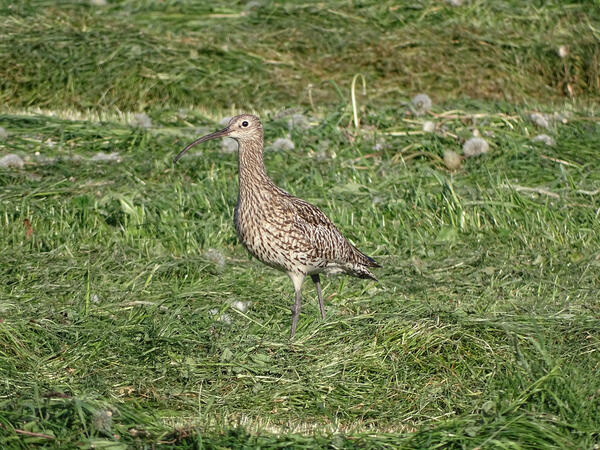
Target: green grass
483,330
135,54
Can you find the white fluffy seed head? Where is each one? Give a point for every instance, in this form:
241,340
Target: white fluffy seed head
240,306
380,144
215,257
225,318
545,139
141,120
43,159
12,161
298,121
428,126
421,103
3,133
475,146
452,159
540,120
283,144
106,157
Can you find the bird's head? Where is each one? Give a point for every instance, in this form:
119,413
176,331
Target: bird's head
240,128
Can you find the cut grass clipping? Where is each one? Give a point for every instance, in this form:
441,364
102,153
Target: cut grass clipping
134,54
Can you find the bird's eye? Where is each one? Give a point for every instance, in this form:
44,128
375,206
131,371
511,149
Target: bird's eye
245,123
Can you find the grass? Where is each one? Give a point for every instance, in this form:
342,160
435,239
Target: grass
189,53
483,328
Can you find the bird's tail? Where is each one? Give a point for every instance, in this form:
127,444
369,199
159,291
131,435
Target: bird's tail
360,264
360,267
365,260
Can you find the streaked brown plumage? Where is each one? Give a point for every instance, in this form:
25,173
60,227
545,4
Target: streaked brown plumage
279,229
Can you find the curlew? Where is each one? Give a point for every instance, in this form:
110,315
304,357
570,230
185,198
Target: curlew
280,230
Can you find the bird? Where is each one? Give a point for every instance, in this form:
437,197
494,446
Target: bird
280,230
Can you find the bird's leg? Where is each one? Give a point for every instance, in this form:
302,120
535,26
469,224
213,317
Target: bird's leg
297,279
296,307
317,280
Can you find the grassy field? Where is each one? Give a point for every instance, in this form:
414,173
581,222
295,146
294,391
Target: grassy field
120,272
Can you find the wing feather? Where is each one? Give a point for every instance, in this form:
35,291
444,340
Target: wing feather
326,240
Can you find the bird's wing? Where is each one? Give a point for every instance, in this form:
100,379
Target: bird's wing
325,238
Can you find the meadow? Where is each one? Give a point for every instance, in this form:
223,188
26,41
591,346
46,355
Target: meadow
130,315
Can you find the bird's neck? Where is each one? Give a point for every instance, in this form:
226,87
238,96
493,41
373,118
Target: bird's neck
251,166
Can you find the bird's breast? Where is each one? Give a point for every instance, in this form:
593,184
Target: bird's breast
268,232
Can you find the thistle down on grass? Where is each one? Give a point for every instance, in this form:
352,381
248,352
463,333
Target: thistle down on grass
12,161
475,146
225,318
298,121
216,257
106,157
428,126
421,104
545,139
540,120
452,160
45,160
141,120
322,154
379,145
240,305
282,144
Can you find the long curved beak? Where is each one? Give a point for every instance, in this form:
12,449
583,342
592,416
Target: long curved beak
208,137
